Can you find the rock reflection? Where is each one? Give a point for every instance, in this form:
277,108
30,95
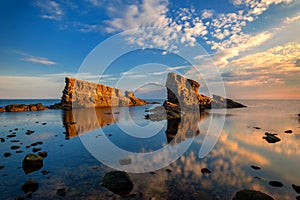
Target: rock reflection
184,127
78,121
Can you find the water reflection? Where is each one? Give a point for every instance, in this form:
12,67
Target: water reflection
78,121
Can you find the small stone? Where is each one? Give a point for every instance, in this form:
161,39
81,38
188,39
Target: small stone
7,154
271,138
296,188
16,129
61,192
255,167
109,135
36,149
275,184
44,123
1,166
36,122
14,147
205,171
11,136
4,174
43,154
29,132
61,145
15,141
20,151
256,127
168,170
288,131
2,139
152,173
45,172
40,143
27,147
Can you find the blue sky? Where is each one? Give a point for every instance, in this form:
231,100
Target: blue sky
255,45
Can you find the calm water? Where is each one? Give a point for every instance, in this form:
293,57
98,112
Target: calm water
72,166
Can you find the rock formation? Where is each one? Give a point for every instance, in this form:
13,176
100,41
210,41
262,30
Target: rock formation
23,107
83,94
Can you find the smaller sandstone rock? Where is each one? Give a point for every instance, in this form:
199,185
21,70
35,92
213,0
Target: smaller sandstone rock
271,138
36,149
32,163
14,147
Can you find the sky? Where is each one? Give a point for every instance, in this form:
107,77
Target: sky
251,47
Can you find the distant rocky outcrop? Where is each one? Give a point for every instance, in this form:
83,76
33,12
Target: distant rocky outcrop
23,107
84,94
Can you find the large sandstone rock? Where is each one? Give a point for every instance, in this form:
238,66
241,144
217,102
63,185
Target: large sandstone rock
83,94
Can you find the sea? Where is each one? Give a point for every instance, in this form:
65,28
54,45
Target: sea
207,155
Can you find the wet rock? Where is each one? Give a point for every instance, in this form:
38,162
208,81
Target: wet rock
7,154
45,172
205,171
43,154
2,140
30,186
296,188
36,149
11,136
275,184
14,147
271,138
32,163
61,192
29,132
255,167
118,182
288,131
251,195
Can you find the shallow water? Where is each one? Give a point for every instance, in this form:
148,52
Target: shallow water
74,139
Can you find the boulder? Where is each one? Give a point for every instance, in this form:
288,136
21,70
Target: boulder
251,195
118,182
32,163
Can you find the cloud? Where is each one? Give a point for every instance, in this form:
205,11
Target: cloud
39,60
289,20
35,59
50,9
207,14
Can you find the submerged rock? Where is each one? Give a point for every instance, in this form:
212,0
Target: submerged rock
32,163
271,138
30,186
118,182
251,195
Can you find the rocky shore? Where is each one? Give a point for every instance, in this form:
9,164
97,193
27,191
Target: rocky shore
23,107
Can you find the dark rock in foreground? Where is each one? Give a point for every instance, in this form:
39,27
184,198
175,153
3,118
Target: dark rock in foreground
118,182
251,195
30,186
271,138
296,188
32,163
